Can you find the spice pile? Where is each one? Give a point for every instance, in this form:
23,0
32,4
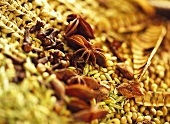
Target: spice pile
73,61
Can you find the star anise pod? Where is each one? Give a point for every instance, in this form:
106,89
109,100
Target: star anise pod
82,92
84,49
70,78
88,115
78,25
59,88
76,105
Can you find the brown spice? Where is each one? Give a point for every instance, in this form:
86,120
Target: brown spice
130,90
36,27
78,25
85,50
125,70
88,115
81,92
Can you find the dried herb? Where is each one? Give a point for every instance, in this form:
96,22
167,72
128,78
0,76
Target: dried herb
49,39
144,46
36,27
78,25
26,46
85,50
130,90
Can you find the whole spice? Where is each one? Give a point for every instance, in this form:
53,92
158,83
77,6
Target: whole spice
26,46
78,25
130,90
88,115
36,27
81,91
70,77
125,70
85,50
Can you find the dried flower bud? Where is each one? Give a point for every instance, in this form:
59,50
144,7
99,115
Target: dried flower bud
26,47
36,27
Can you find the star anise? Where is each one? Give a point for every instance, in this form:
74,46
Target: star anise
84,49
78,25
76,105
81,91
88,115
70,78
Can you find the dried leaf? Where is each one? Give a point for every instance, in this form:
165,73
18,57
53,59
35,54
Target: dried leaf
144,46
81,92
114,46
90,114
130,90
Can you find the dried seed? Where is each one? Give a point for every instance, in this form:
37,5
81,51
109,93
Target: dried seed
97,75
93,72
139,119
109,63
108,77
